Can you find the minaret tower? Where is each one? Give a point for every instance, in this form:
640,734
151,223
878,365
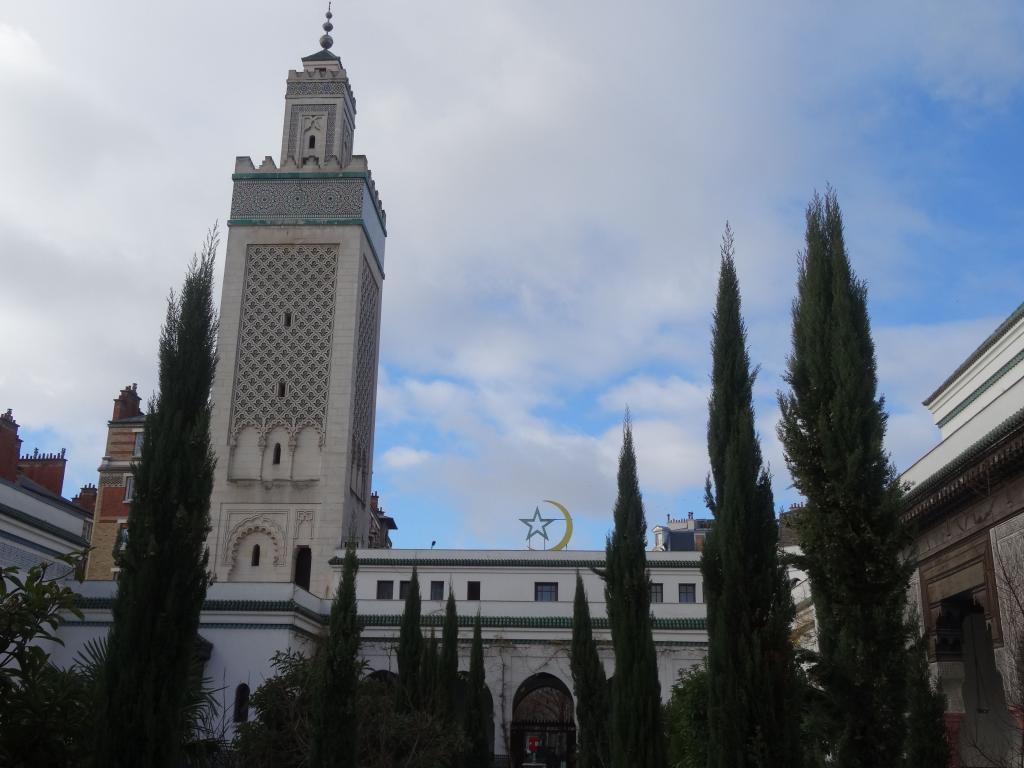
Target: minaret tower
296,382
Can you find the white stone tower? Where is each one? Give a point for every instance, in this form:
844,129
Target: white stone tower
296,383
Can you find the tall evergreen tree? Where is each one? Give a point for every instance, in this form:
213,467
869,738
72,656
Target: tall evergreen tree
832,428
637,740
429,663
752,682
927,744
476,721
589,685
410,645
163,569
686,716
448,665
334,737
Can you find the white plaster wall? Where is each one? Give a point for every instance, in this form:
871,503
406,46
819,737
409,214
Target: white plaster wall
247,457
282,470
306,463
1009,402
999,355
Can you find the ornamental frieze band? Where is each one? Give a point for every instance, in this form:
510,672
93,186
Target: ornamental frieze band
297,198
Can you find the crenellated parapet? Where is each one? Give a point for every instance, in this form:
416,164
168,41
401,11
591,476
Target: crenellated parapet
316,193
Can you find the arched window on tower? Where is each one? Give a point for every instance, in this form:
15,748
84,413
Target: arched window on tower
277,453
241,714
303,567
312,141
255,561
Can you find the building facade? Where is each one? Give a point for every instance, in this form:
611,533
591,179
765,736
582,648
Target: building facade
37,524
966,502
296,381
116,486
524,598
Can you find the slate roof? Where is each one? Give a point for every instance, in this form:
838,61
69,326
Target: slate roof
322,55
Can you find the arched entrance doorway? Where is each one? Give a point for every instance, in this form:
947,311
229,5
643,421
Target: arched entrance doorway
543,726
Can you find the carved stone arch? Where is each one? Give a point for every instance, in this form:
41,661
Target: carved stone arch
258,523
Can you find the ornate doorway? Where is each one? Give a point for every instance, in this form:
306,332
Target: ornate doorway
543,726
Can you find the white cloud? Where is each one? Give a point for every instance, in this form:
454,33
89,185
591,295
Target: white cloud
403,457
556,184
646,394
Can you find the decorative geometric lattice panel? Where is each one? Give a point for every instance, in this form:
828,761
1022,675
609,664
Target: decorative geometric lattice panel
316,88
366,372
284,339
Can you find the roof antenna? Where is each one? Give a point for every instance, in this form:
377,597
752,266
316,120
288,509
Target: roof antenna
327,41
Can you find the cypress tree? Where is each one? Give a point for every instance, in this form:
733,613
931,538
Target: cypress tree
429,662
448,665
927,743
334,738
478,751
637,740
589,685
163,578
410,645
752,682
832,429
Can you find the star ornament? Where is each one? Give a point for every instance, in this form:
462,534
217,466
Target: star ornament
538,525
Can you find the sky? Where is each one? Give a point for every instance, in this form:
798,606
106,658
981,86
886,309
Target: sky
557,176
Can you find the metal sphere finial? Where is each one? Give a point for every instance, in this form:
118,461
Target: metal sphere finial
326,41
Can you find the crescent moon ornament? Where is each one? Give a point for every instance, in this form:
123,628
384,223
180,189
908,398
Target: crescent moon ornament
568,525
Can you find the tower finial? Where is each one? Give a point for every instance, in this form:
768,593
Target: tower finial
327,41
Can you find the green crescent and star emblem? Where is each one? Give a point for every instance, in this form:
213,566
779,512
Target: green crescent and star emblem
538,525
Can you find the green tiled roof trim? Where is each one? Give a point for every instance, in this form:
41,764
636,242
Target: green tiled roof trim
42,525
986,345
469,562
937,478
982,389
394,620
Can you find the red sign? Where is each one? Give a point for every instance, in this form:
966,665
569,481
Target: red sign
533,743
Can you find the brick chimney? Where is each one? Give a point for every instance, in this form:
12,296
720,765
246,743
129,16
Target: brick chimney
47,469
86,498
127,403
10,447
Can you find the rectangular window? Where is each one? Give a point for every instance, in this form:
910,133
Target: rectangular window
657,592
137,448
473,590
385,590
121,539
129,488
687,593
403,590
545,591
437,590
